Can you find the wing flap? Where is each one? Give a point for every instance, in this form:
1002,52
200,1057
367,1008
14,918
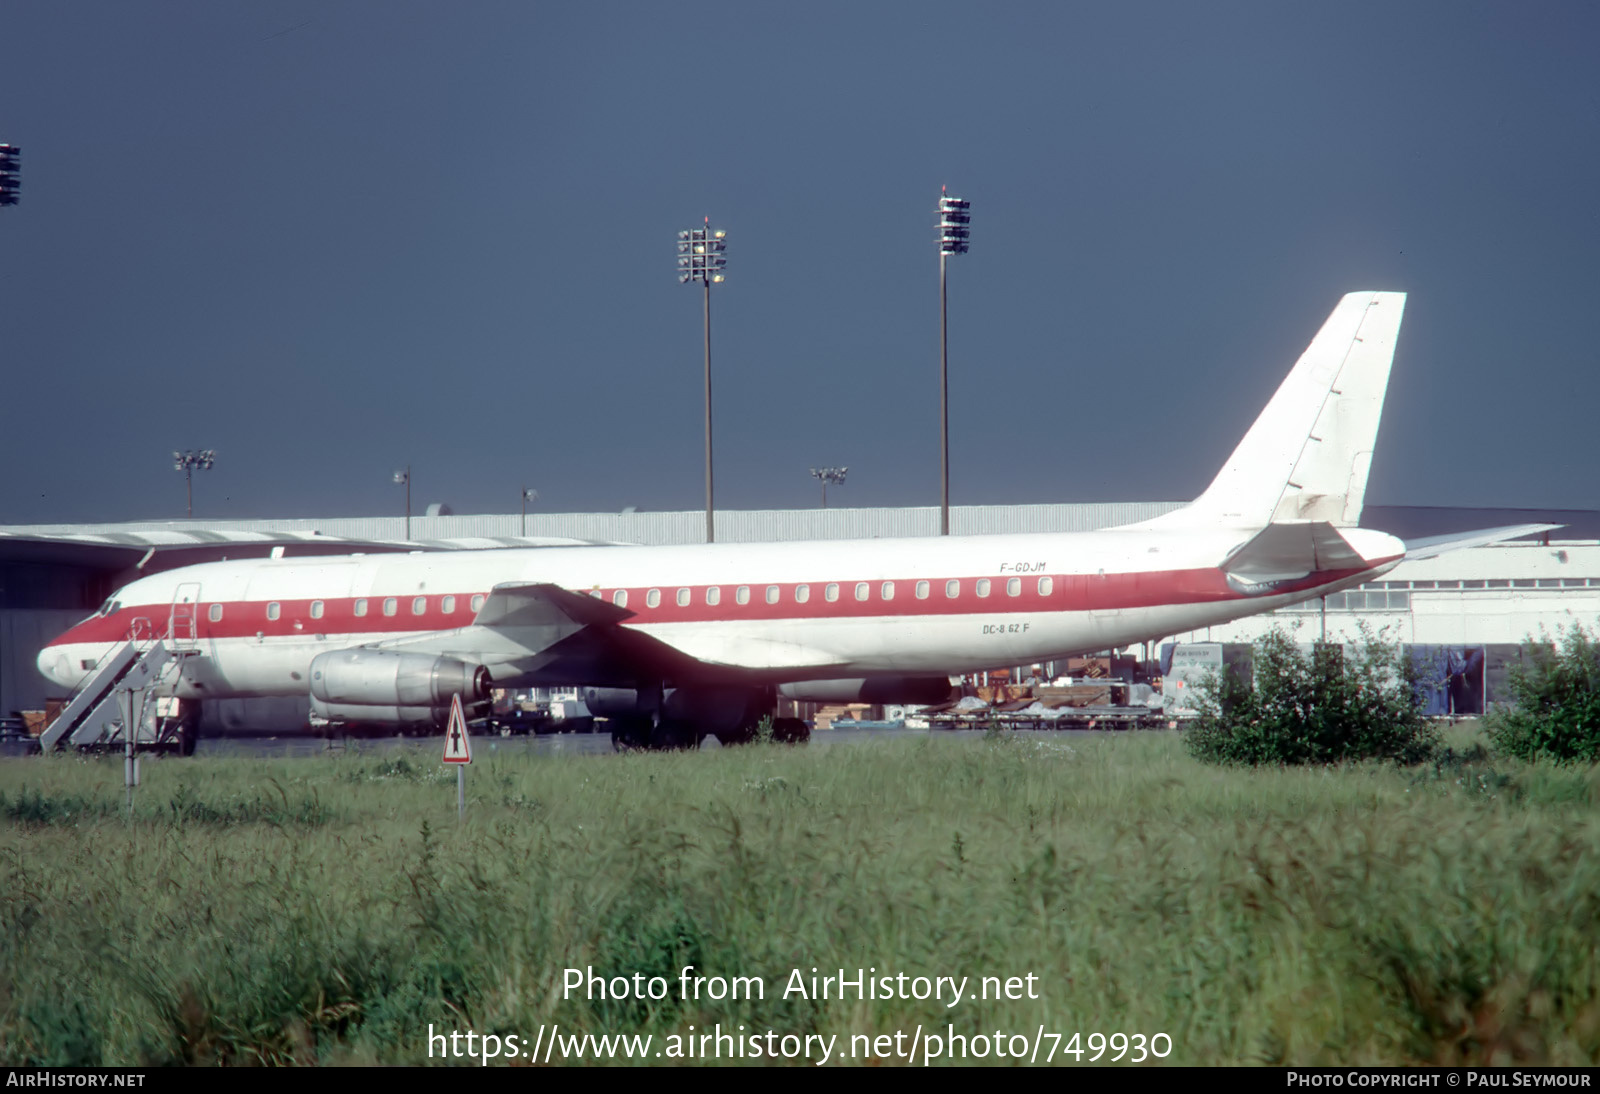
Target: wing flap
734,651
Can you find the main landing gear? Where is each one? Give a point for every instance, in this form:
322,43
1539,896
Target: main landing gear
643,733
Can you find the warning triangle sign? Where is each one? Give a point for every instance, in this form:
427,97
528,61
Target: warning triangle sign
457,747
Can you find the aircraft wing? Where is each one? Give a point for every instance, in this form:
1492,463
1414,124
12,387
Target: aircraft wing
754,653
525,629
544,605
1433,546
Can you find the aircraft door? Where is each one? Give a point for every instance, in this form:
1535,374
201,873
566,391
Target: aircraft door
183,621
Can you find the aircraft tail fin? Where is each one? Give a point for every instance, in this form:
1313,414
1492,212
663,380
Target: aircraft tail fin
1307,455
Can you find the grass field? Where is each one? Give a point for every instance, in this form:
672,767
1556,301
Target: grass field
327,909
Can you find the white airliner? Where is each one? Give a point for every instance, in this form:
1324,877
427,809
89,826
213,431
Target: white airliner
677,642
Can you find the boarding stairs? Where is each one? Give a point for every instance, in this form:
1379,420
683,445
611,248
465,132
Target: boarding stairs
143,665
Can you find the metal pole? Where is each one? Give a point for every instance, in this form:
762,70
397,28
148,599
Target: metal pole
461,792
824,491
711,534
944,407
188,487
408,501
524,511
1324,620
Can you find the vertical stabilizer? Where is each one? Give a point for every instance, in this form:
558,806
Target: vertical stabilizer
1306,457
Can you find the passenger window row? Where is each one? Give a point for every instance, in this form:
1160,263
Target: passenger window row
391,607
683,597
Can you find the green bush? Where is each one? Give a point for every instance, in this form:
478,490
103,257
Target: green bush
1556,696
1319,709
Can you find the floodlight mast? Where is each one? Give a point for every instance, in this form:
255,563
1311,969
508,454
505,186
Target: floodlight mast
701,258
528,494
955,214
403,478
188,462
826,475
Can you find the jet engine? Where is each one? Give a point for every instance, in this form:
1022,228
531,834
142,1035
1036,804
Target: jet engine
870,689
385,686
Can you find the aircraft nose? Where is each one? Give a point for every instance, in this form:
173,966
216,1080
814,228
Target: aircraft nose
56,666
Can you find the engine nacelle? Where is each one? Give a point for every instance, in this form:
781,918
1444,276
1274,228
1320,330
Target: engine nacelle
428,718
620,702
871,689
709,709
385,678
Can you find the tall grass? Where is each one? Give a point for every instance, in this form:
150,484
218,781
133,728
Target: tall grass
328,909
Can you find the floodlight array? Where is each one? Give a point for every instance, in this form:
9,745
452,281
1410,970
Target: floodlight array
955,214
702,255
193,461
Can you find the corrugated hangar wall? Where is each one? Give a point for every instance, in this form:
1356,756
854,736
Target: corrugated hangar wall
733,526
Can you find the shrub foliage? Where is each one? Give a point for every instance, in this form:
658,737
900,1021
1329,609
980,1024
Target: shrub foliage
1331,706
1556,692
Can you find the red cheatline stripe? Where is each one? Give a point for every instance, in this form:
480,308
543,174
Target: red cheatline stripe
1068,592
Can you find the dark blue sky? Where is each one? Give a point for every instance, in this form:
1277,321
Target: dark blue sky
329,239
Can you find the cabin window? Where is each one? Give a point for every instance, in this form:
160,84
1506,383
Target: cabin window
477,603
361,607
863,590
316,609
447,605
741,595
419,606
713,594
830,593
620,598
922,590
952,589
802,593
888,590
683,598
391,605
1014,587
983,586
1046,585
652,599
216,613
597,594
772,594
272,610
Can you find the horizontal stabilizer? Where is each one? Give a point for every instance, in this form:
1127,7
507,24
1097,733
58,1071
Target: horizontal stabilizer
1282,552
1433,546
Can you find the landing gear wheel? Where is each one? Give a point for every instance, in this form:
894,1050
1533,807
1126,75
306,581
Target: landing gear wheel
672,736
741,736
629,734
790,731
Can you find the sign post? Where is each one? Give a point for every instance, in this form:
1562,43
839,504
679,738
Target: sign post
458,751
130,704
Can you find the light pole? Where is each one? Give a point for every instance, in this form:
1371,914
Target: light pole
527,496
700,258
954,216
189,462
834,475
403,478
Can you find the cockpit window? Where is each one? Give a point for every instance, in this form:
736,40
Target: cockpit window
110,607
